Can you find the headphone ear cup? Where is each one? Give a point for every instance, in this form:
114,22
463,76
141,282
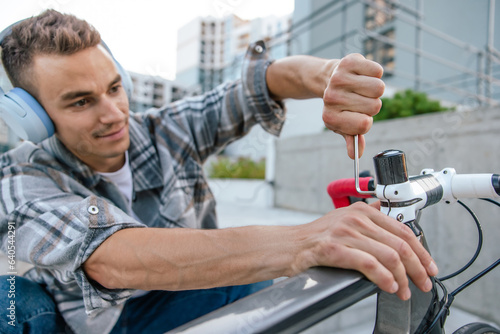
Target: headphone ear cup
126,80
25,116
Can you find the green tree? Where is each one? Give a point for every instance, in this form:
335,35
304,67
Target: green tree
407,103
242,168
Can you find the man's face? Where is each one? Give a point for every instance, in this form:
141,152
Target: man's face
83,95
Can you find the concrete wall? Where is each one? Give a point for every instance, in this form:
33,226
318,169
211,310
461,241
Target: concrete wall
242,192
466,141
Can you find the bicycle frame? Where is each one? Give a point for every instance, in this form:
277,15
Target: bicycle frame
290,306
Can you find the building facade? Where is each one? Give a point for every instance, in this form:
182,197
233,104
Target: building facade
447,48
153,92
210,50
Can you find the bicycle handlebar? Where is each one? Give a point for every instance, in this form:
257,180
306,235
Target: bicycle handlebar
341,190
476,186
444,185
402,196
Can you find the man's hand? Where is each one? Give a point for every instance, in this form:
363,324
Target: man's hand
350,87
352,98
361,238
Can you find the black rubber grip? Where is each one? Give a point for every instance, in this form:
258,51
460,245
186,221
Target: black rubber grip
495,181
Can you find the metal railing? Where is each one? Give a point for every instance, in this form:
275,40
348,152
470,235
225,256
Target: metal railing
480,84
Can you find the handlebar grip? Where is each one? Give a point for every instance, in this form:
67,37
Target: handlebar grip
475,186
495,180
340,190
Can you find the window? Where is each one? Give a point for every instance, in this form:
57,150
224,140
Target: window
380,51
378,13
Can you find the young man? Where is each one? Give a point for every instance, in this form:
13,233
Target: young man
114,211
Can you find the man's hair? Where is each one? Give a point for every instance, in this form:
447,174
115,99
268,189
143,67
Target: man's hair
50,33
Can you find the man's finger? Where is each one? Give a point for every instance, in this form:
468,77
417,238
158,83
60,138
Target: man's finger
358,64
404,233
349,140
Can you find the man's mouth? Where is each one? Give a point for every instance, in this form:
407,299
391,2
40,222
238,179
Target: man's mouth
116,132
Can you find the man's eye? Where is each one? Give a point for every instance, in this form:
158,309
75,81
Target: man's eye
81,103
114,89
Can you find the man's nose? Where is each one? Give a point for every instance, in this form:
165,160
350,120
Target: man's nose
110,111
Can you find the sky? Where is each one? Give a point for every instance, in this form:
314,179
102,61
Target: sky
142,34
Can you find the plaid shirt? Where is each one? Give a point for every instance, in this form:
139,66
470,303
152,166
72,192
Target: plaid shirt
63,210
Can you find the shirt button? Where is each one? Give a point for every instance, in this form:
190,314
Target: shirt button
93,210
259,49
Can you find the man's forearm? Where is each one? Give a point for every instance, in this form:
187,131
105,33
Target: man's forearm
299,77
183,259
358,237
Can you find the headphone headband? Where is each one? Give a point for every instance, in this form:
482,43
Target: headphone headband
7,31
26,116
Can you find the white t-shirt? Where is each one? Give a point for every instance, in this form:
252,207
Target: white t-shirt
123,179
